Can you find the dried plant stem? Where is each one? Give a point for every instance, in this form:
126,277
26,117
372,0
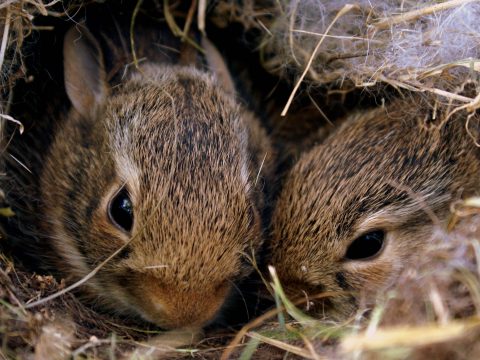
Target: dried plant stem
132,35
175,29
244,331
6,29
170,19
188,21
336,36
284,346
202,10
42,8
342,12
260,168
411,15
9,118
448,94
473,136
7,3
310,347
473,105
409,336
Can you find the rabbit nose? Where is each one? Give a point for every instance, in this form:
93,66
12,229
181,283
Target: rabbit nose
187,308
172,306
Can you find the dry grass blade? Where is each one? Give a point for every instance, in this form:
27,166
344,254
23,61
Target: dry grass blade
10,118
342,12
472,135
447,94
411,15
7,3
284,346
250,349
132,28
42,8
6,31
473,201
342,37
188,21
260,169
202,10
292,310
470,107
473,64
170,19
310,347
409,336
176,30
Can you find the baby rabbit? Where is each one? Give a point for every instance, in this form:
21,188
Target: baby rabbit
354,210
166,164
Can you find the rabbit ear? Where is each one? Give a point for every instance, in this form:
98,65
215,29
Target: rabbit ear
217,66
85,78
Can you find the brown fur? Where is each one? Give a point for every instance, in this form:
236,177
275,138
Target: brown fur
384,169
191,159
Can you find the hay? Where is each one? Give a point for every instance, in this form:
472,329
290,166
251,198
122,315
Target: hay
62,326
434,308
16,17
422,46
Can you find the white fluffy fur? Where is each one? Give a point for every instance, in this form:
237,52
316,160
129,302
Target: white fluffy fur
431,40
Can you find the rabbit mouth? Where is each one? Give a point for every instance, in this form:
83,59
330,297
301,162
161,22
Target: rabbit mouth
335,307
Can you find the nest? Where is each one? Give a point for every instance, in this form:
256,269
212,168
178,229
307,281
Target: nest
434,308
16,17
420,46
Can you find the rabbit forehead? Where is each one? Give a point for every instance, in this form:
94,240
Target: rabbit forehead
167,92
151,152
175,119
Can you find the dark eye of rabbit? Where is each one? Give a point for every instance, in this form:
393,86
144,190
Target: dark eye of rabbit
366,246
121,210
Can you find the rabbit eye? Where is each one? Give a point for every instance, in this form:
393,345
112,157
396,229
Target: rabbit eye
121,210
366,246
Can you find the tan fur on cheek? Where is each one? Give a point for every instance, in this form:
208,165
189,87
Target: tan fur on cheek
373,277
